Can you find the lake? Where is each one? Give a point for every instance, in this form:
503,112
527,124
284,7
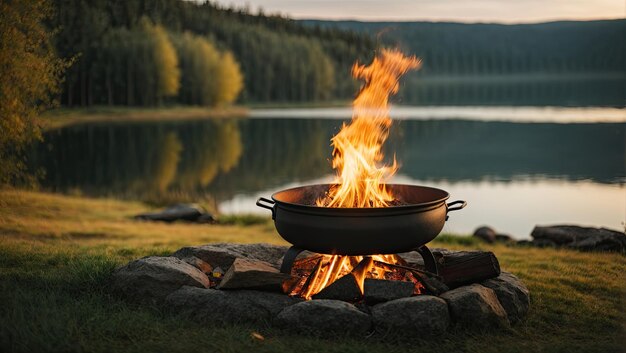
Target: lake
515,166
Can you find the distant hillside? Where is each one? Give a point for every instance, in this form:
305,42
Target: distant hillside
456,48
558,63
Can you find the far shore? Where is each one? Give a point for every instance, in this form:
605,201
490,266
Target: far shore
61,117
64,116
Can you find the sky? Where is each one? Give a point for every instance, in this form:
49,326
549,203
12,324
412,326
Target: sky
500,11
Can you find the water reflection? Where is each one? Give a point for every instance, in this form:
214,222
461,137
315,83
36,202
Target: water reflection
501,166
224,158
150,161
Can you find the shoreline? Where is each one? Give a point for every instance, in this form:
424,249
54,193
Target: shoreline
61,117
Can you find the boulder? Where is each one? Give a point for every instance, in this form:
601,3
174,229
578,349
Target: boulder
601,242
236,306
512,295
325,317
543,243
422,315
224,254
486,234
581,238
152,278
475,306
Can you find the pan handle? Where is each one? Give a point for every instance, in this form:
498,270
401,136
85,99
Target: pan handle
459,202
260,203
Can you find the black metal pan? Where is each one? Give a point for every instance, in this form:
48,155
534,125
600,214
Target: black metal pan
360,231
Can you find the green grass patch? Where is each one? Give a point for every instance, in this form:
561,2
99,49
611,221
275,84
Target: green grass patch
54,289
243,220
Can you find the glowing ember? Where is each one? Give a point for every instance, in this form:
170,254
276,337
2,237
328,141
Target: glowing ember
357,146
318,272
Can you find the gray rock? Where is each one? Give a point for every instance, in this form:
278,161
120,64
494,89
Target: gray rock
236,306
380,291
223,254
422,315
512,295
601,242
414,258
179,212
485,233
152,278
325,317
543,243
475,306
504,238
582,238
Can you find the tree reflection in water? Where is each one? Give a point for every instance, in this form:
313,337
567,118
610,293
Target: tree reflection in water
165,162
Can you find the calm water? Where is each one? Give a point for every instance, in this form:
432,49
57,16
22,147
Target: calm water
566,166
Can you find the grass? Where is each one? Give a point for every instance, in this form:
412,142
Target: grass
57,253
61,117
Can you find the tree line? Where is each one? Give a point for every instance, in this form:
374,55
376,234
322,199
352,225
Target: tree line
145,65
147,52
448,49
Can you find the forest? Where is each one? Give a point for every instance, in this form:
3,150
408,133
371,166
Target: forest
150,52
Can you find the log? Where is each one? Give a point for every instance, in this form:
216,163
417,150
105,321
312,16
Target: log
253,274
345,288
464,267
381,290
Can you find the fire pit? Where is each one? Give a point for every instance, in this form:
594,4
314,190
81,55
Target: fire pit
360,231
364,276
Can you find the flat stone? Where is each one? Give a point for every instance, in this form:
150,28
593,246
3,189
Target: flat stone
253,274
512,295
152,278
379,290
236,306
422,315
325,317
179,212
475,306
224,254
486,234
199,264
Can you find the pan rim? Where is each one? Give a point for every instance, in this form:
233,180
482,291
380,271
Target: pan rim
362,209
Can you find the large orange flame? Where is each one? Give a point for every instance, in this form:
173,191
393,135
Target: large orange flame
360,179
357,147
